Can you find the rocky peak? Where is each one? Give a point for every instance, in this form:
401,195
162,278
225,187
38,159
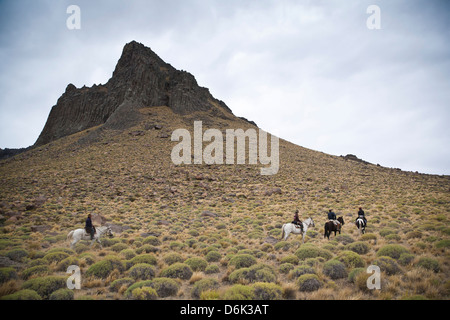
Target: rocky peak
140,79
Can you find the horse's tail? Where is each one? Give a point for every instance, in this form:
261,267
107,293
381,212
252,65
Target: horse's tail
282,231
326,230
69,236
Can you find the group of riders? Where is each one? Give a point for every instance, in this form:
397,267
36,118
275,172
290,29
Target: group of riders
90,229
331,217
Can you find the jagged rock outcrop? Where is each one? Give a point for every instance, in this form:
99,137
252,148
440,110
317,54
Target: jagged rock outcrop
140,79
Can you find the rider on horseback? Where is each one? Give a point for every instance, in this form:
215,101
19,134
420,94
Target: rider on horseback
332,217
297,221
361,215
89,227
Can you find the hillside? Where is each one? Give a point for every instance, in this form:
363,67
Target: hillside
203,231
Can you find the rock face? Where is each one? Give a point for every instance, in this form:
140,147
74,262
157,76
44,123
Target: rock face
140,79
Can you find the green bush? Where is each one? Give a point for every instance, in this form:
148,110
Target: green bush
334,269
128,253
172,257
429,264
359,247
8,273
154,241
301,270
17,254
119,247
62,294
213,256
266,291
165,287
286,267
204,285
305,252
212,269
308,283
292,258
282,245
387,264
351,259
391,250
64,264
55,256
45,286
177,270
144,293
142,271
344,239
443,244
25,294
354,273
196,263
242,261
239,292
144,258
387,231
103,268
256,273
117,284
405,258
368,237
40,270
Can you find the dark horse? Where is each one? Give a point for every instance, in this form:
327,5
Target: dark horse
330,226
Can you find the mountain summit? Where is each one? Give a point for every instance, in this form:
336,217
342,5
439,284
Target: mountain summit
140,79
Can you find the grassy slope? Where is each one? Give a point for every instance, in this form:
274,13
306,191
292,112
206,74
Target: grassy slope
132,182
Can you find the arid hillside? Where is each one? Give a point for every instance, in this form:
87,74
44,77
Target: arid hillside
212,231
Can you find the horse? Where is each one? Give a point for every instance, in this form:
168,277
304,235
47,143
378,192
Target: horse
361,225
81,234
287,228
331,226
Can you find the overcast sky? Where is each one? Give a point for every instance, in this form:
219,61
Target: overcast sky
310,72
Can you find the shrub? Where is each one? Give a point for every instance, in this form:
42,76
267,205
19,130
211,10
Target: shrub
154,241
306,252
40,270
368,237
387,231
354,273
292,258
64,264
62,294
196,263
45,286
405,258
25,294
391,250
256,273
358,247
242,261
286,267
301,270
414,234
55,256
213,256
387,264
165,287
172,258
282,245
144,258
117,284
334,269
103,268
344,239
429,264
308,283
266,291
7,274
239,292
119,247
212,269
142,271
351,259
204,285
144,293
17,254
177,270
443,244
128,253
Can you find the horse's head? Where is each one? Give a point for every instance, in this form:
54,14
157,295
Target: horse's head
109,232
341,220
312,223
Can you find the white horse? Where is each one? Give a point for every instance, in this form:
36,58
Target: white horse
360,225
81,234
290,227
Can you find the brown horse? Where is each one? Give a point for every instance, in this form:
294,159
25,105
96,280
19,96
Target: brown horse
330,226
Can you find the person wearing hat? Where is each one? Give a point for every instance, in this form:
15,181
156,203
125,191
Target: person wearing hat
89,227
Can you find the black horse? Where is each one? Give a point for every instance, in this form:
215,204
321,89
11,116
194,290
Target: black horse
331,226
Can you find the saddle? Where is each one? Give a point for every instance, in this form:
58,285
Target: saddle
87,233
